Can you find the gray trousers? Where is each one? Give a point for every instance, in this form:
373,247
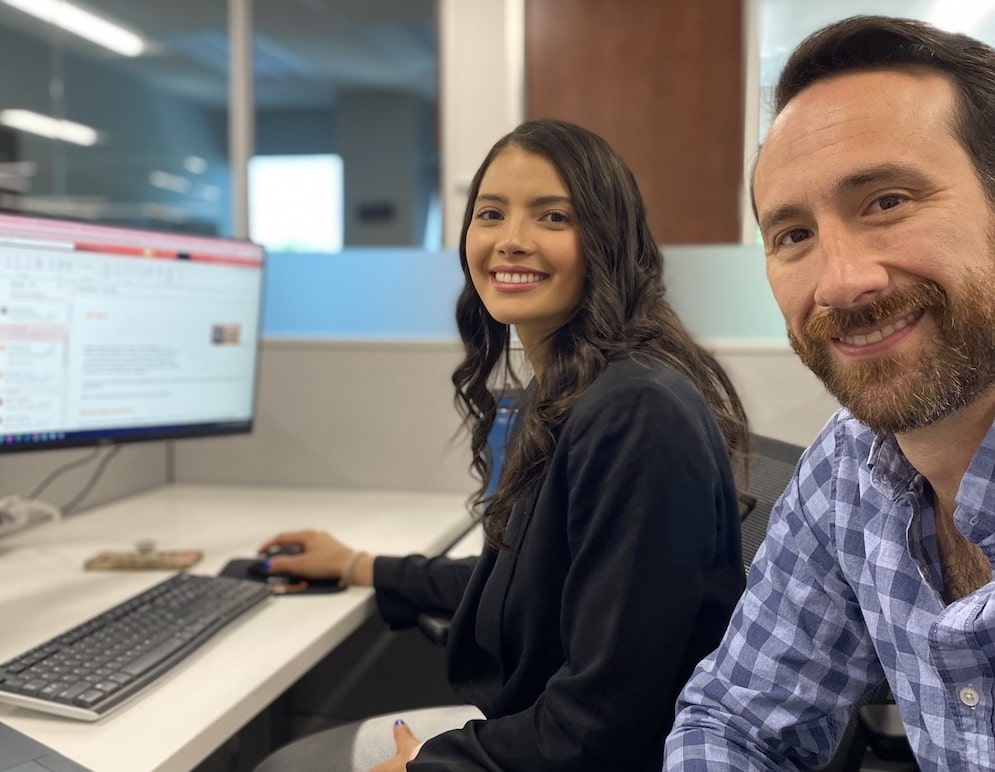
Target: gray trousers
361,745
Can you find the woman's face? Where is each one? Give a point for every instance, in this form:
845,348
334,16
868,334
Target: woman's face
523,246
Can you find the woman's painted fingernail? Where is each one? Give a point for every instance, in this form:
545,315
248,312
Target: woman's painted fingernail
399,722
266,566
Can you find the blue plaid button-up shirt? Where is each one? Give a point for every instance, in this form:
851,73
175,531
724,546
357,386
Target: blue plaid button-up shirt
845,591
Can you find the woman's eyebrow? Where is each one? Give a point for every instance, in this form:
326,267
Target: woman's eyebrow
537,201
546,200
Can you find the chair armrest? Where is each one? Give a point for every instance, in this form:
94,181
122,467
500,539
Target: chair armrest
435,626
886,732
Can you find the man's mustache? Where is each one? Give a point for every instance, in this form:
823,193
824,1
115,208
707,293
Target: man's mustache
840,322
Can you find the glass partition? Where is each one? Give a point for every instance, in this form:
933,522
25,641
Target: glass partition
116,112
782,25
357,79
778,26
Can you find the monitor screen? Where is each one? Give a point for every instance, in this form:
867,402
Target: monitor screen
114,334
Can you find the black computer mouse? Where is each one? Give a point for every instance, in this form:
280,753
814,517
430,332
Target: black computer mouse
281,582
283,549
286,582
258,569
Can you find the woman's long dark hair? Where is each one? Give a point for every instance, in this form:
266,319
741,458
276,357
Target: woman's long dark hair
623,311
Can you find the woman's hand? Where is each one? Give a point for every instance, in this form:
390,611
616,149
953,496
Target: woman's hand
407,747
322,556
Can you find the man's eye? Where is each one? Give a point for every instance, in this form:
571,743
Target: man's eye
794,236
888,202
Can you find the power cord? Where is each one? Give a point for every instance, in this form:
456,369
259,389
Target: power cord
59,471
18,512
69,507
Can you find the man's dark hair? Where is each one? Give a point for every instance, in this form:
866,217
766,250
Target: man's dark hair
862,43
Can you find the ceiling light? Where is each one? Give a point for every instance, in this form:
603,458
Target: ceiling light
167,181
83,23
195,164
52,128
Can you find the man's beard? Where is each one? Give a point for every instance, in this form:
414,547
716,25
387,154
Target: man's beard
902,392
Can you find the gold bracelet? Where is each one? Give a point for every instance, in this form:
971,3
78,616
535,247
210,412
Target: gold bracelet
346,579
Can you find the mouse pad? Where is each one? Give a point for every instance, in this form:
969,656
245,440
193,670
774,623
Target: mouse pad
241,568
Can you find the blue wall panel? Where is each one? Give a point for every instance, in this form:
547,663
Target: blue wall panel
363,294
720,291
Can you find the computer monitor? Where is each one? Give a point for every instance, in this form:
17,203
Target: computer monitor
112,334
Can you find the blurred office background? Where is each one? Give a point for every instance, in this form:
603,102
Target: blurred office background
122,110
343,134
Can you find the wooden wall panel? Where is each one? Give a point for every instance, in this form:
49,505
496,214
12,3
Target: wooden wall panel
662,81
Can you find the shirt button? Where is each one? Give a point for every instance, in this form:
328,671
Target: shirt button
969,696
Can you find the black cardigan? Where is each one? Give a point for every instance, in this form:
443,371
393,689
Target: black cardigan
622,576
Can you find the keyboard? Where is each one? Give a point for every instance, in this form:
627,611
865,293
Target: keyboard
95,667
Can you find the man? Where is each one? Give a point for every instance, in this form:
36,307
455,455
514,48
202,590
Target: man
875,195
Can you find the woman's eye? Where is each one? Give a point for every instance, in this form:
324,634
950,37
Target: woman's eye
794,236
488,214
556,217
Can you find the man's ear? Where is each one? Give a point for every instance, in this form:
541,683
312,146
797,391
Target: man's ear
753,174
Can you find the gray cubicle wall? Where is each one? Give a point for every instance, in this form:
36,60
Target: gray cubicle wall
372,406
358,350
137,467
354,385
357,414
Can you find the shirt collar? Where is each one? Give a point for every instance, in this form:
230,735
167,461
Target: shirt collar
976,494
890,470
892,473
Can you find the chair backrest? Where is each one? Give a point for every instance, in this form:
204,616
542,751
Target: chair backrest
772,463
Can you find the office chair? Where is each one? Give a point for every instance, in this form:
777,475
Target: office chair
772,463
874,739
435,626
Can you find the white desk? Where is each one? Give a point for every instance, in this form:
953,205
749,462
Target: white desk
179,721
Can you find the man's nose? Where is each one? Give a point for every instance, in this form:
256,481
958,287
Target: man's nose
850,273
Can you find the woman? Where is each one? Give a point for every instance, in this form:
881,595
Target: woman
613,557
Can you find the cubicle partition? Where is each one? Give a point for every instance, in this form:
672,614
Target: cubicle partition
355,391
359,347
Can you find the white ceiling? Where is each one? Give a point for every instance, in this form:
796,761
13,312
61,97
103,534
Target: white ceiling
306,52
